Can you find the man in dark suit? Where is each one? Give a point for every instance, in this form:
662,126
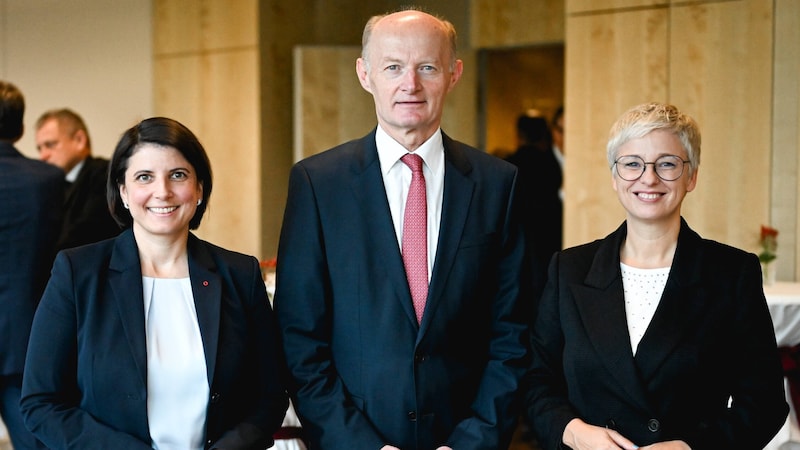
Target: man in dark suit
366,371
63,140
31,194
540,183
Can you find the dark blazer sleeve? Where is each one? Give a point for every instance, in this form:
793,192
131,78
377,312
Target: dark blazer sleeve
52,396
302,303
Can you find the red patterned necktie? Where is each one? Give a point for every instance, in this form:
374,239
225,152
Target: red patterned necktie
415,235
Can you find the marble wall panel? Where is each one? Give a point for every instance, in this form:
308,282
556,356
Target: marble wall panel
207,76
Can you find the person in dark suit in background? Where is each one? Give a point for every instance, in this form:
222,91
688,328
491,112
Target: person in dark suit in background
155,338
557,131
654,336
63,140
368,372
540,184
31,196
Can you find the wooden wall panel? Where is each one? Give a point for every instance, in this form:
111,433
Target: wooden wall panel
498,23
728,89
583,6
613,61
785,185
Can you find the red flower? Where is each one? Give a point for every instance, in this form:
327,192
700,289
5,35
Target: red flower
769,244
767,232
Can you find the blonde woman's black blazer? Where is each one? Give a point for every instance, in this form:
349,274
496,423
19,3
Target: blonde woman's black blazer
710,340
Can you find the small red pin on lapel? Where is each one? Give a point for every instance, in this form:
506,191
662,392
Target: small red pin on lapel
205,283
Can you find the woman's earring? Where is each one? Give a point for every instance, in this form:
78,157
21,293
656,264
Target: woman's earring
199,201
125,205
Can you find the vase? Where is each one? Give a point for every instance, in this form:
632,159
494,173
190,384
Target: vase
768,271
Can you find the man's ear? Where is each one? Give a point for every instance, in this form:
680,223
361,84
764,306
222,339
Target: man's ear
80,138
363,74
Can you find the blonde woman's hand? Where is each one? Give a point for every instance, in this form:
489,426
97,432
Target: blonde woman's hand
579,435
668,445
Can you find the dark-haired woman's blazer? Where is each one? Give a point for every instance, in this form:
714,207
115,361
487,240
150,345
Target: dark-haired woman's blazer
710,340
85,382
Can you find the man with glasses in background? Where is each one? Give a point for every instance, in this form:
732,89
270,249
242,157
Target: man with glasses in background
63,141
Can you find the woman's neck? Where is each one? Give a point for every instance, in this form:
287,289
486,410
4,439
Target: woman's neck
161,257
649,247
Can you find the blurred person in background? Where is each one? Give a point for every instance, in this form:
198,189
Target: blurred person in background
31,197
540,182
62,140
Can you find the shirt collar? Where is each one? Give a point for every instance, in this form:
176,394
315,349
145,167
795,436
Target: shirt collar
73,174
390,151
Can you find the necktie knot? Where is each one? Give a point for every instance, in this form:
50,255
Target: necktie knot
413,161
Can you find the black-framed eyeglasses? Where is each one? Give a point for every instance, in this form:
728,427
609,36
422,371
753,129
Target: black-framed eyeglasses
632,167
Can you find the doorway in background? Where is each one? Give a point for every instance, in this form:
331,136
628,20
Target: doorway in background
514,81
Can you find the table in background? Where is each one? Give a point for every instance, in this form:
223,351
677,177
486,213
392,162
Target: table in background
783,300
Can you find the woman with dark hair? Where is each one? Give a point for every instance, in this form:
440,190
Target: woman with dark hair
154,338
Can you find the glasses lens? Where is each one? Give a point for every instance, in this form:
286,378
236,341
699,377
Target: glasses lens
630,168
669,168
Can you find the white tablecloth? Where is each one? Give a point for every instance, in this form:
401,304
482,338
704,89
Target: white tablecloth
783,300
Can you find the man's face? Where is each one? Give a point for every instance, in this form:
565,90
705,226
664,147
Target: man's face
409,74
59,147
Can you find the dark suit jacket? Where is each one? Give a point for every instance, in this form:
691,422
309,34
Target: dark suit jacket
31,193
365,373
710,339
540,182
86,215
85,383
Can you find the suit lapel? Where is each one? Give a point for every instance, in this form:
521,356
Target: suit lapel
458,189
207,291
678,306
601,305
125,283
370,196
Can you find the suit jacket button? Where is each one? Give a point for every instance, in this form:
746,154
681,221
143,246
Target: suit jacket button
611,424
412,416
215,397
653,425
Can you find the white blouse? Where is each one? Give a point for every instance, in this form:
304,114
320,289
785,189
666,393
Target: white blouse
643,289
177,385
